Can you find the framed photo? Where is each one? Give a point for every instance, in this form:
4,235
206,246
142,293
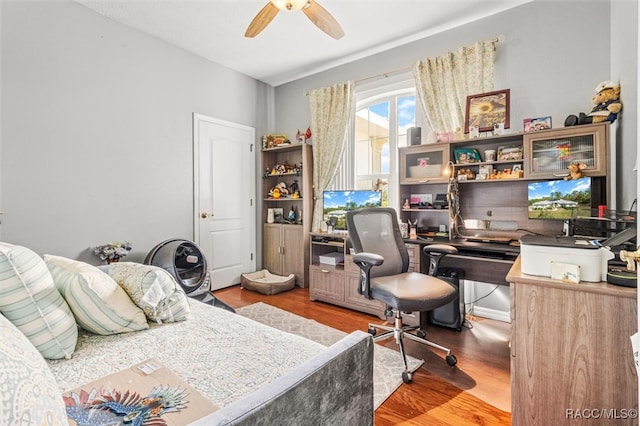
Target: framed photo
535,124
278,214
487,109
466,155
516,168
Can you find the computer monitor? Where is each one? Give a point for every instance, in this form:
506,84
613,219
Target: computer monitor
560,199
335,204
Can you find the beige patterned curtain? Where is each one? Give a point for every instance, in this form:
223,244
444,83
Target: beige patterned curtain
443,83
330,112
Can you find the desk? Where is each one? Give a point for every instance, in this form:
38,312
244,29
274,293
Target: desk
570,350
482,262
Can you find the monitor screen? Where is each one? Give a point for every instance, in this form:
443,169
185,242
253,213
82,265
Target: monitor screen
336,204
559,199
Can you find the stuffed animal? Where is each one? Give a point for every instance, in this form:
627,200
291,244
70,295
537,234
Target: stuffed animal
575,171
280,190
606,103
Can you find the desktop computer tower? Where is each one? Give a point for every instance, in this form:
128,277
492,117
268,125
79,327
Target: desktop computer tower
452,314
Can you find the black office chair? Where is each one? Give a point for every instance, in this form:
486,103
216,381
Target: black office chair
382,257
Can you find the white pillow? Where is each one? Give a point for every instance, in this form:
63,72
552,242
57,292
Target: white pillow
151,288
30,394
96,300
29,299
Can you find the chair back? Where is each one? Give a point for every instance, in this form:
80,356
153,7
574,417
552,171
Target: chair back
376,230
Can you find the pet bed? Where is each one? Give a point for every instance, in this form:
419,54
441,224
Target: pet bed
267,283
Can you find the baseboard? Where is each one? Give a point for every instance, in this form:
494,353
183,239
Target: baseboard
494,314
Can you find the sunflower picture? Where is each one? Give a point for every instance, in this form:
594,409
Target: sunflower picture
486,110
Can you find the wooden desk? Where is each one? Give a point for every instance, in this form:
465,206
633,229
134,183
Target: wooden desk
483,262
570,350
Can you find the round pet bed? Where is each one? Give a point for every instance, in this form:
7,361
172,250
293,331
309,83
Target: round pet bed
267,283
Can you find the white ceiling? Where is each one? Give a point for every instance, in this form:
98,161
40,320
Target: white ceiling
291,47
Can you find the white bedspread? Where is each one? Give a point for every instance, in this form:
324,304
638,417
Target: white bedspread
223,355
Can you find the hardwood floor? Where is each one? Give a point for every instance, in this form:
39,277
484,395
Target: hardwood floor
431,399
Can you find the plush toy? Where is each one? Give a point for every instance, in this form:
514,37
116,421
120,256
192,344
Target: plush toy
606,103
280,190
575,171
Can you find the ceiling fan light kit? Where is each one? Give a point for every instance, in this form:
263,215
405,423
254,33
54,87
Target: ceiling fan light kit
316,14
290,4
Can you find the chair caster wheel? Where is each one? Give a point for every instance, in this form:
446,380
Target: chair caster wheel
372,331
407,377
451,360
421,334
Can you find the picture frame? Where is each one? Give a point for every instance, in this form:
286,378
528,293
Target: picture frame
516,168
536,124
484,110
278,214
466,155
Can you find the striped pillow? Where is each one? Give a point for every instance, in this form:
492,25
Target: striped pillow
29,299
96,300
151,288
30,394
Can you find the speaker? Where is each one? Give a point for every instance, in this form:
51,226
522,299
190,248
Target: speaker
414,136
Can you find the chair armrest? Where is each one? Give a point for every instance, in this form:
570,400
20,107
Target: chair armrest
366,261
439,248
436,252
368,258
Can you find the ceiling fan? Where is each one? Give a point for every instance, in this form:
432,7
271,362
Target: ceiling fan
316,13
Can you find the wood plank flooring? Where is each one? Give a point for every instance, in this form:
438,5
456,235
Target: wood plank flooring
431,399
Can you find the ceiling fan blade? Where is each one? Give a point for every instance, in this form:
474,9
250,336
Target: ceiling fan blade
262,19
323,19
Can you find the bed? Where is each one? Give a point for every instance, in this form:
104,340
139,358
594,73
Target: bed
252,373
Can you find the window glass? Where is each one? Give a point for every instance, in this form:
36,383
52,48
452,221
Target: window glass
372,139
406,117
380,128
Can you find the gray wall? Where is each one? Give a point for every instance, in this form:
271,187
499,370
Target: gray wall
553,56
97,129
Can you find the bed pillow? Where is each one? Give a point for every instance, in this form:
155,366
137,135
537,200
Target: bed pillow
30,394
96,300
29,299
153,289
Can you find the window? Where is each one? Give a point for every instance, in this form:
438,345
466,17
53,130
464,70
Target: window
381,118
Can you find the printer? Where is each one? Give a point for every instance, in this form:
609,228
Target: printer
539,252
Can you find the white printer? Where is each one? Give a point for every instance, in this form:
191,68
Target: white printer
537,252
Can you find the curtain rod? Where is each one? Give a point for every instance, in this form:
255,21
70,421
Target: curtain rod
499,39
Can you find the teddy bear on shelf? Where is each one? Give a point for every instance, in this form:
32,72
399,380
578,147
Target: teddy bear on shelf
606,103
575,171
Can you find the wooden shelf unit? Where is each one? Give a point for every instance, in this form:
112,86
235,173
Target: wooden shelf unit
285,244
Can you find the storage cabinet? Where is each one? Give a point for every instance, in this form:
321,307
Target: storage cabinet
285,241
549,153
573,339
502,165
337,283
424,163
284,252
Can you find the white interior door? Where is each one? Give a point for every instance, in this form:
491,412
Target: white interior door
225,211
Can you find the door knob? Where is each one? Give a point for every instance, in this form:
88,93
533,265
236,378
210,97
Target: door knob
204,215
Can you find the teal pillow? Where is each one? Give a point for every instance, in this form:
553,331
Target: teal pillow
29,299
